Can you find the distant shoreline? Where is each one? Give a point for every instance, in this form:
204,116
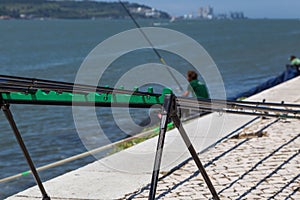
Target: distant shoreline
38,9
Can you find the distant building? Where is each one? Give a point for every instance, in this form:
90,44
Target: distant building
152,13
237,15
206,12
222,16
147,12
188,16
231,15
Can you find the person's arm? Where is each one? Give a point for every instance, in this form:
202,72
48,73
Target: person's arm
186,93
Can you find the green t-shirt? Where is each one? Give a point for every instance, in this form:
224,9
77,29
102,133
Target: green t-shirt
198,89
296,61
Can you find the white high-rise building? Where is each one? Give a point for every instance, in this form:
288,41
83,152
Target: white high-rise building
206,12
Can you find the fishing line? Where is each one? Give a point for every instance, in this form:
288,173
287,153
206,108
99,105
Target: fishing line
161,59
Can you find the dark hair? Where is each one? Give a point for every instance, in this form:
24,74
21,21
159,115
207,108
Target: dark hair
192,75
292,58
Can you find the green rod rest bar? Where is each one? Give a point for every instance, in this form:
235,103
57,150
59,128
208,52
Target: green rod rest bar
93,98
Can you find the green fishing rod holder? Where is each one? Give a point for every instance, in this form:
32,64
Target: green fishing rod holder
41,97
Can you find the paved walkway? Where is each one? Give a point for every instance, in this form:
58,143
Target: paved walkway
242,167
246,167
262,161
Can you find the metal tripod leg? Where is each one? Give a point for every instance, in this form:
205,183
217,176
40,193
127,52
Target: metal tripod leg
166,111
194,154
18,136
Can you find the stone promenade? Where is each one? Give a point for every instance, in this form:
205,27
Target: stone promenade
261,161
245,166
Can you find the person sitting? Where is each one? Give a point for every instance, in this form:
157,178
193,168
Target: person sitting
295,61
196,88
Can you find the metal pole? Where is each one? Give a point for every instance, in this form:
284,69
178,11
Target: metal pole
194,154
18,136
166,110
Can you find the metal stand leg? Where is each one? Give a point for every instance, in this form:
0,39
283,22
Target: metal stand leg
193,152
166,111
18,136
169,111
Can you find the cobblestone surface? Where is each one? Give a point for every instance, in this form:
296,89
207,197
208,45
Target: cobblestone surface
243,167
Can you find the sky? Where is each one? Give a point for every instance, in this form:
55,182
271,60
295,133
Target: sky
251,8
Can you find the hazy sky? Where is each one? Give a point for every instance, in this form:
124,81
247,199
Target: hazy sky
251,8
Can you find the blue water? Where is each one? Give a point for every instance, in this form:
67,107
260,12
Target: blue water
246,52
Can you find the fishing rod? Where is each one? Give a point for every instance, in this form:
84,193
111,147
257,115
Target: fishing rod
278,110
274,113
161,59
229,102
31,84
20,90
107,98
280,107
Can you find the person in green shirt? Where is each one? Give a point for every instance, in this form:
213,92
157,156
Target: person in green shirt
294,61
196,88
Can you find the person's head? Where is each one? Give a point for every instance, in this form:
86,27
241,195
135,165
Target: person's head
292,58
191,75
